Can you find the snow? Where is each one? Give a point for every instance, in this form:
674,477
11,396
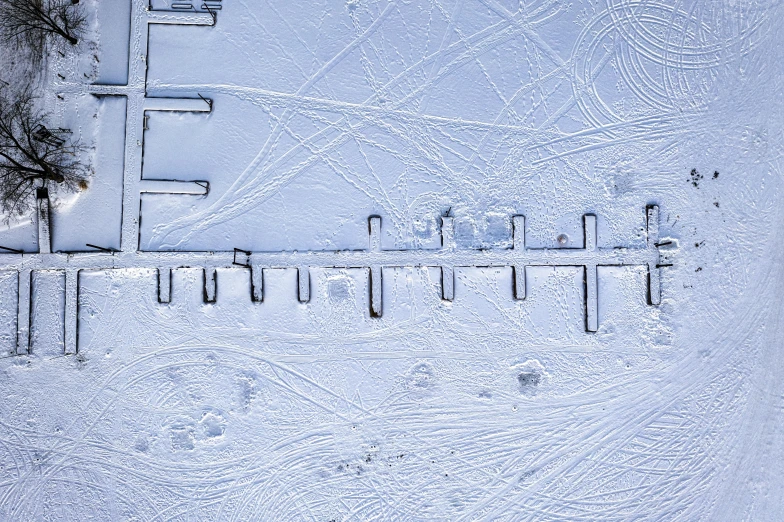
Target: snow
99,126
20,234
179,379
113,27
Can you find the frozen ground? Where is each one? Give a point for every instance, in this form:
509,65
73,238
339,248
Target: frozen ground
458,363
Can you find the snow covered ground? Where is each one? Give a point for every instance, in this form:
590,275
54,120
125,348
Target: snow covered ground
451,360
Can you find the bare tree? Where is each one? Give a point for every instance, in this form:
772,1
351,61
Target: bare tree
32,156
35,26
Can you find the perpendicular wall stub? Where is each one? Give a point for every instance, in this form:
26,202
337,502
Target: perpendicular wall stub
518,244
654,268
448,233
589,231
44,222
256,283
590,275
447,272
376,285
71,311
447,283
210,284
518,232
23,311
303,284
591,299
652,225
374,233
164,285
518,282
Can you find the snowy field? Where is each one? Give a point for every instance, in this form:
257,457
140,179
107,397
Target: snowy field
405,260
